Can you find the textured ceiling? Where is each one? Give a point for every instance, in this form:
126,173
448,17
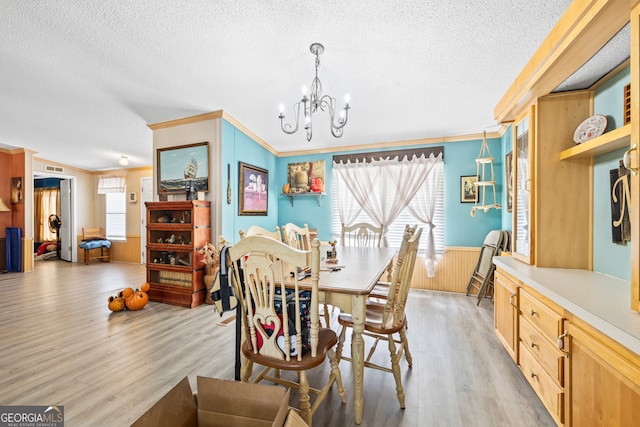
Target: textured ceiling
80,81
614,53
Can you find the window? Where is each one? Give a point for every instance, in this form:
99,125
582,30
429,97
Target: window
396,230
116,210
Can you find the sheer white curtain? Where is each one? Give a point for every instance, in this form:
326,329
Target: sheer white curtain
384,187
423,206
348,206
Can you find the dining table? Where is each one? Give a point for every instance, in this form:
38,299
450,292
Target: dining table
346,285
345,282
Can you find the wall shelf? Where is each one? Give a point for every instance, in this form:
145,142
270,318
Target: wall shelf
292,196
605,143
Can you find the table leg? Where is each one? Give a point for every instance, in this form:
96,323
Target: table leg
357,352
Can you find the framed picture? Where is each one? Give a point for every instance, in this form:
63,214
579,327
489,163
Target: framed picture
178,166
133,197
306,177
468,190
253,191
508,162
17,190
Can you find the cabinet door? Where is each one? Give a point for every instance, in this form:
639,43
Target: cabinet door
634,214
522,189
603,384
505,307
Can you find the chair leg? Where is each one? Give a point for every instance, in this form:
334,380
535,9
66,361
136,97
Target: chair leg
405,346
335,372
305,403
343,333
327,316
247,370
395,368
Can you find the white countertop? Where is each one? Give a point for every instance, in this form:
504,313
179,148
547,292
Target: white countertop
602,301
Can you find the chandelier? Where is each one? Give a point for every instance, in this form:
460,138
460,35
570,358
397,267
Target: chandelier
316,101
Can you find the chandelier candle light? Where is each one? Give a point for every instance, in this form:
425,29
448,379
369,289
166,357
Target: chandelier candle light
316,101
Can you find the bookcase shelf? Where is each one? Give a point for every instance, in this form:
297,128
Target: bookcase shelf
605,143
175,233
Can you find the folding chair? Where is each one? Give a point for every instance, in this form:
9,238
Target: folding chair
482,275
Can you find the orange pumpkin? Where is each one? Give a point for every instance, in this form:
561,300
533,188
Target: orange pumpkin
145,287
137,301
116,303
126,293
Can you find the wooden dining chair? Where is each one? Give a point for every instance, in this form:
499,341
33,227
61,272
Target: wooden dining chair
300,238
256,230
283,334
381,289
297,237
361,234
383,321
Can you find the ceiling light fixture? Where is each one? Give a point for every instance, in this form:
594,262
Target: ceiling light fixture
124,161
316,101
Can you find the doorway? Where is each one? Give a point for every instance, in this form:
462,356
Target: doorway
53,218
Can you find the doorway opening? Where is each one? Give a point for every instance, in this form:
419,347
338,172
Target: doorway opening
53,220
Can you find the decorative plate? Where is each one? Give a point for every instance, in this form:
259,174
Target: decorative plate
592,127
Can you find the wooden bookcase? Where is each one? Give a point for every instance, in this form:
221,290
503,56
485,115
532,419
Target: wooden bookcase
175,233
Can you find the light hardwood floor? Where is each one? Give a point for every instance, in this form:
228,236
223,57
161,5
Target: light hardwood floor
61,345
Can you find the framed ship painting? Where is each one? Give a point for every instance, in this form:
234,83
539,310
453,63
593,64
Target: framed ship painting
179,167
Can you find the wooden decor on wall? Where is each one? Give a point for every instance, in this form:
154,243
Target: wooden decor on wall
627,104
620,202
17,190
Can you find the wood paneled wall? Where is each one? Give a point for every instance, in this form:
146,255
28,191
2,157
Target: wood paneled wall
452,271
27,254
128,251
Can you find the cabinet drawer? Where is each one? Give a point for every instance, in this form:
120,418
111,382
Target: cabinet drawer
550,393
548,321
546,352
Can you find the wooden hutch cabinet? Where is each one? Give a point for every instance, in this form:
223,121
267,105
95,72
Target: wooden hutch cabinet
575,338
175,233
522,189
551,196
505,307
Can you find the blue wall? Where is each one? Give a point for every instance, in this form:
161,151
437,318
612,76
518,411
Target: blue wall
238,147
609,99
608,257
460,228
305,210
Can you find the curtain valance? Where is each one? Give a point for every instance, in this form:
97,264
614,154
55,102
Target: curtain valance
112,184
391,154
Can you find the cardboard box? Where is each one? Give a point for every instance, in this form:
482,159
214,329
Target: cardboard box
219,403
